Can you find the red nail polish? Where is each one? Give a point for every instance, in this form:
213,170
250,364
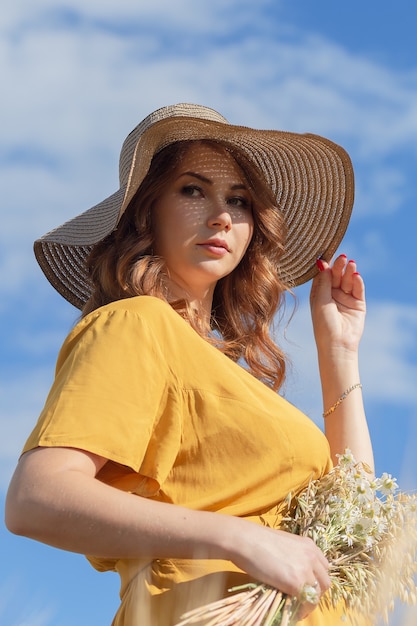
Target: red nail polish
320,265
351,261
356,274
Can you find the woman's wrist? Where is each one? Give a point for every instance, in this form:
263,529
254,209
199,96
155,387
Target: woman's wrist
334,354
340,376
342,398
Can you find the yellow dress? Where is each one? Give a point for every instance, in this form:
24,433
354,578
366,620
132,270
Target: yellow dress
180,423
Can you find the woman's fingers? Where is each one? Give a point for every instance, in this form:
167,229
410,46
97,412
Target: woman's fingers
344,276
338,270
358,286
281,559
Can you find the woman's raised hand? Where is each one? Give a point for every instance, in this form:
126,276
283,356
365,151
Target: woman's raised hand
338,304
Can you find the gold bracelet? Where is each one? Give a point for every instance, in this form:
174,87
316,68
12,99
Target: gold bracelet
340,400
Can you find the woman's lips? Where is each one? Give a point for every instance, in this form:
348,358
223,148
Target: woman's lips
215,246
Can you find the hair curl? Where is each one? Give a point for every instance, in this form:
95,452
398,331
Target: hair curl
244,302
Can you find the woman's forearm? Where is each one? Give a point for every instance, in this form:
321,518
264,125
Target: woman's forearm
54,497
67,507
338,309
345,426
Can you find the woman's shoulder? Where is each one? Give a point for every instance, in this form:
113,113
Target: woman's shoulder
118,325
142,305
147,308
129,315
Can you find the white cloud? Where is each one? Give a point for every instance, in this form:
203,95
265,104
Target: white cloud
77,79
79,75
389,353
181,15
382,190
21,401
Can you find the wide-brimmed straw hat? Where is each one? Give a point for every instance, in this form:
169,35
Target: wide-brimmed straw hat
311,177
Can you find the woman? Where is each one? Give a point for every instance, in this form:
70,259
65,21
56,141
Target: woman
156,452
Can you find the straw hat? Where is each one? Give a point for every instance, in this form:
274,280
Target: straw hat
311,177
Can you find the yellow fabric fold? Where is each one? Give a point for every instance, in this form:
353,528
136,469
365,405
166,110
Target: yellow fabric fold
179,423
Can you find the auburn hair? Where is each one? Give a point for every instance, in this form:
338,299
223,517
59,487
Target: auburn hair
244,303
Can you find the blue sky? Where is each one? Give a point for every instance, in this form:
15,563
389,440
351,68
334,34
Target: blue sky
77,76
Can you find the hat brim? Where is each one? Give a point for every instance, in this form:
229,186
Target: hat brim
311,177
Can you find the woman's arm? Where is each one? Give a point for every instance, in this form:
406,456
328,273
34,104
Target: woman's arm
55,497
338,313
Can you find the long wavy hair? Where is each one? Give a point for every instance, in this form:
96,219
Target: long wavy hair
244,302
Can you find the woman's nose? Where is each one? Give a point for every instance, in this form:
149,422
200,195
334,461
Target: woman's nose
221,220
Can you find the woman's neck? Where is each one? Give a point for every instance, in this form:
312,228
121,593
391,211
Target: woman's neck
199,303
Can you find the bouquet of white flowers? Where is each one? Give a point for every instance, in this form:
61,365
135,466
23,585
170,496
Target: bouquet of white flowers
367,530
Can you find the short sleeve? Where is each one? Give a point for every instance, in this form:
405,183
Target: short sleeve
115,394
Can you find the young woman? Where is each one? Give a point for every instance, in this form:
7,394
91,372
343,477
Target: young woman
157,453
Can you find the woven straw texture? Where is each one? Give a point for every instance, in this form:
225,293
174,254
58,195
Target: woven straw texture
311,177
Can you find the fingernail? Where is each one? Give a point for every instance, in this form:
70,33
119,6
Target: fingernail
320,265
356,274
351,261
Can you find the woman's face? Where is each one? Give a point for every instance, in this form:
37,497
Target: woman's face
203,220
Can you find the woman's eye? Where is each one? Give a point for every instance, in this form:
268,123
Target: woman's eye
240,201
191,190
